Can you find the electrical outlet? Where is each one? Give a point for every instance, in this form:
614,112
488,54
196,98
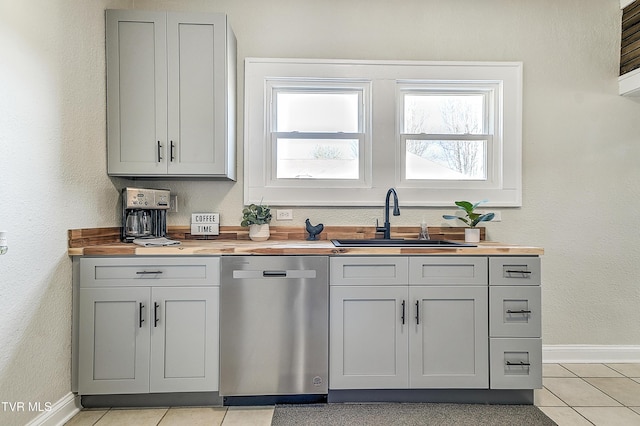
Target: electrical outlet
173,204
284,214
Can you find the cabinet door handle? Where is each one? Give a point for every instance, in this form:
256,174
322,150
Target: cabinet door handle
521,311
140,313
403,305
159,152
155,314
417,312
173,146
523,364
517,272
148,272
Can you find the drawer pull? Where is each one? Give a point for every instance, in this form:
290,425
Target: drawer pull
417,312
403,306
517,272
159,155
148,272
521,311
523,364
140,313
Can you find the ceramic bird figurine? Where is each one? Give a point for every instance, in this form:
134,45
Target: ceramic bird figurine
313,230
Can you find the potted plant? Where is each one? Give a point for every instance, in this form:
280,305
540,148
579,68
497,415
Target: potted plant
257,218
471,218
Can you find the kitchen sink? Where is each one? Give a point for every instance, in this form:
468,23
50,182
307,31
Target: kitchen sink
399,242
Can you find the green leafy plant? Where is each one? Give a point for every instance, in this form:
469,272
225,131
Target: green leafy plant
472,218
256,215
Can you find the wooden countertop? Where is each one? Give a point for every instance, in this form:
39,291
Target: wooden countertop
300,247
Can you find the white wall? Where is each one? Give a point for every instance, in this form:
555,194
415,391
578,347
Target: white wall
580,147
52,178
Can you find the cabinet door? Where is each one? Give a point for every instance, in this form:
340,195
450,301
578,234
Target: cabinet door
136,92
196,48
368,341
184,339
114,340
448,345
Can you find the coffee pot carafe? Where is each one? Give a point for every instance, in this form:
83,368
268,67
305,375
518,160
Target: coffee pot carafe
138,223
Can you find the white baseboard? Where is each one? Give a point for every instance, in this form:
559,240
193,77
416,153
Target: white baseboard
594,354
60,412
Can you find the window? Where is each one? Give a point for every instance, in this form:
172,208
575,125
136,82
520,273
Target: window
340,133
316,133
448,134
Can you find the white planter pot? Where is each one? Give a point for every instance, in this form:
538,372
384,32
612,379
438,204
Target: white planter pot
472,235
259,232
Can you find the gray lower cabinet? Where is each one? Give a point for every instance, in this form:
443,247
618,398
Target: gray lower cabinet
407,322
368,342
148,325
515,314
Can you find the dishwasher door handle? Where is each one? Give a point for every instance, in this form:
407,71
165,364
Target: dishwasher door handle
270,274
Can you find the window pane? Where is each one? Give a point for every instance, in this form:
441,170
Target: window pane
446,159
317,159
317,112
444,114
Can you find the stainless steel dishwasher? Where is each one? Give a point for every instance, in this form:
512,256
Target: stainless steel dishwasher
274,325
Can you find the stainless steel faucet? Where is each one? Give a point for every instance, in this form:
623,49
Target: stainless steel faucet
396,212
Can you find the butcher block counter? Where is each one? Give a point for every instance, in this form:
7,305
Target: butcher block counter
284,241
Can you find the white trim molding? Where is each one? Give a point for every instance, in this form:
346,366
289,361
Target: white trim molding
60,413
594,354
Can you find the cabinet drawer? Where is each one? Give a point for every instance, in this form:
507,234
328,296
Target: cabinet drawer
516,363
514,271
448,270
369,271
149,271
514,311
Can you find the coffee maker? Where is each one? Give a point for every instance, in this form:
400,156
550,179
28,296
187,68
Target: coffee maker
144,213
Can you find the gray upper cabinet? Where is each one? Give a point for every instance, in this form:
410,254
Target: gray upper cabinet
171,87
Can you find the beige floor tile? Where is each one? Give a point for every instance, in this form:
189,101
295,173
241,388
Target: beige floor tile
86,418
194,416
576,392
622,389
607,416
636,409
565,416
555,370
629,370
138,417
544,398
591,370
248,416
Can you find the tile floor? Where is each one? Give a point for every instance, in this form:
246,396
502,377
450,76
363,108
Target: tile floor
573,394
590,394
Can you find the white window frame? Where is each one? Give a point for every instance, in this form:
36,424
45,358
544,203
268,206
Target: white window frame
274,86
381,152
491,91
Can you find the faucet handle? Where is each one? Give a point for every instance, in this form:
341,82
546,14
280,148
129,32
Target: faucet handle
379,228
